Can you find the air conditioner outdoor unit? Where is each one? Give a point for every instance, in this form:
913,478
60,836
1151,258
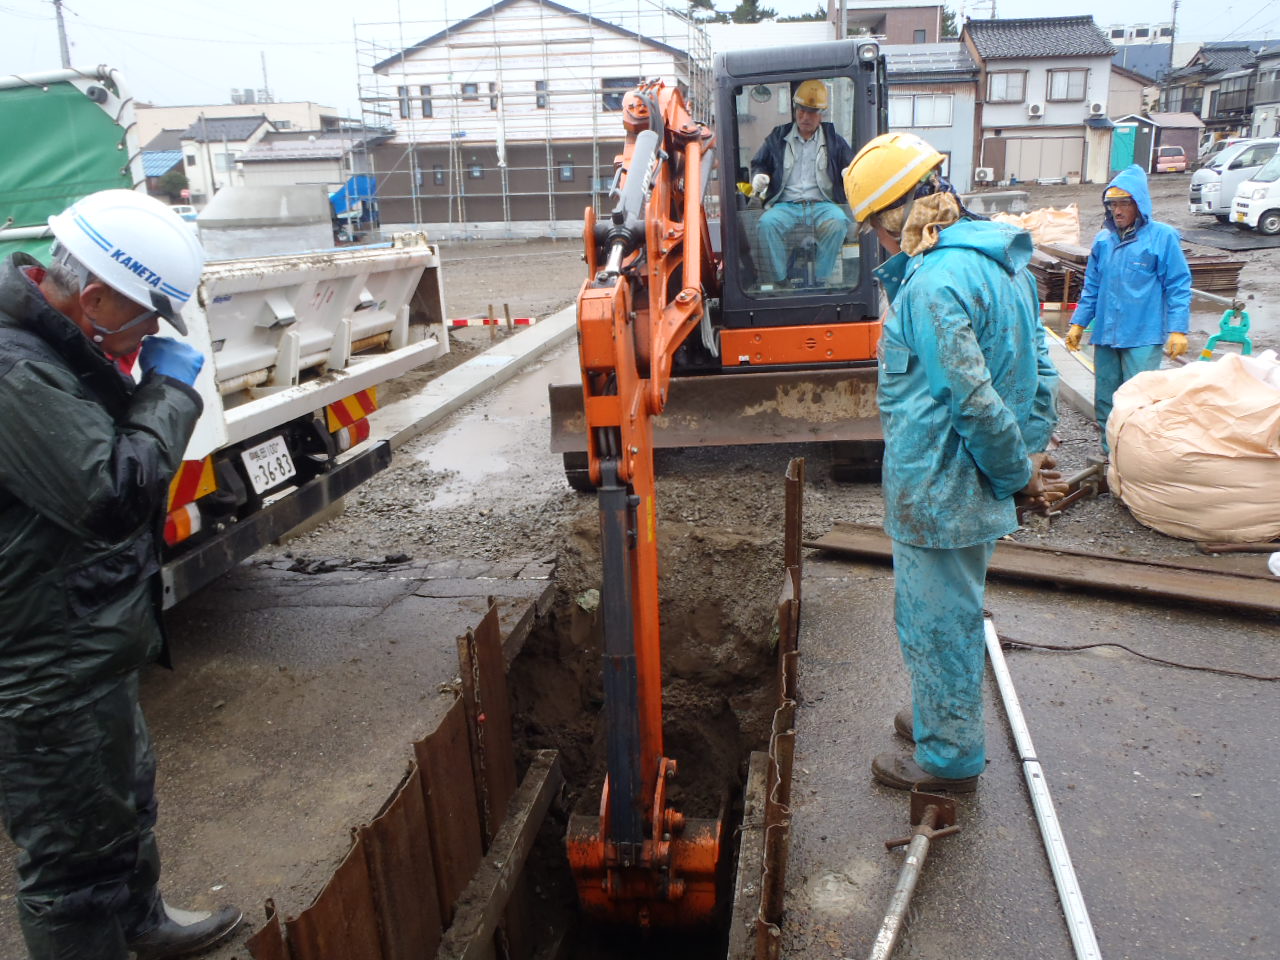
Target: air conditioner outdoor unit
1097,108
1035,109
984,175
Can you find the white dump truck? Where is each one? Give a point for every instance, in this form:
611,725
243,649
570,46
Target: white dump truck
300,342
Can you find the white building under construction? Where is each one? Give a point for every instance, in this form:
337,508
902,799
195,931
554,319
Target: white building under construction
507,122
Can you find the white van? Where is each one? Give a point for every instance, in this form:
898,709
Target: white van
1213,186
1257,202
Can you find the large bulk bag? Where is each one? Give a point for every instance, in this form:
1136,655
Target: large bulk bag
1195,451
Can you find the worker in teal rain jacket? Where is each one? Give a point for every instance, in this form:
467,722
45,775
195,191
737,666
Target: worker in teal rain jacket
967,400
1137,292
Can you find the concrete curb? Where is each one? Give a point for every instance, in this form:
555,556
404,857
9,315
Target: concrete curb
1075,380
407,418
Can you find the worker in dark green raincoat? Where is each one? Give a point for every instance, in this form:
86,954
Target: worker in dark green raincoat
86,456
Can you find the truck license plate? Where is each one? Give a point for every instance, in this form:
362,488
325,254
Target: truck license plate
1240,217
268,464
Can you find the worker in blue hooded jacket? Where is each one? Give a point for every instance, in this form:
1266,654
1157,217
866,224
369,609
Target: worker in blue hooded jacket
967,398
1137,292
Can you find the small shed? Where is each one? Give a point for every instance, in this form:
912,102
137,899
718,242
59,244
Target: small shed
1137,136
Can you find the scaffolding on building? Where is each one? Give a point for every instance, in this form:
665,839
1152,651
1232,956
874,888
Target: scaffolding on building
482,104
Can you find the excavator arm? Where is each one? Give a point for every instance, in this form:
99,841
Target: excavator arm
649,269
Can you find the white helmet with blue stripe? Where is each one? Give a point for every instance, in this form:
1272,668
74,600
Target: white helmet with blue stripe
137,246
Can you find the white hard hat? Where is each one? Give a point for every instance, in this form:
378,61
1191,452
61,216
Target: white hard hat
137,246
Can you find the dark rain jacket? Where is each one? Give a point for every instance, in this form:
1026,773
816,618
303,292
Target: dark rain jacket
771,158
86,456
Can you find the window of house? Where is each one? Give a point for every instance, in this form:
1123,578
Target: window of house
540,95
402,94
565,170
424,102
226,162
613,89
1067,84
191,160
471,91
925,110
1142,32
1166,31
283,124
1007,86
475,170
437,175
917,36
493,98
1117,34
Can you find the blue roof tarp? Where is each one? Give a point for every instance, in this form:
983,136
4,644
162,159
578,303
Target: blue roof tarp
362,186
156,163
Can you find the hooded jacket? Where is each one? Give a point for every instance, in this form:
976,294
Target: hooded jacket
774,158
966,388
86,457
1137,288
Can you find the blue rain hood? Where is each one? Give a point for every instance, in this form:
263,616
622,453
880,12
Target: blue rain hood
1133,181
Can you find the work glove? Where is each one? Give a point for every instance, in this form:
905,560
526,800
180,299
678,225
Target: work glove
1073,336
170,358
1176,346
759,184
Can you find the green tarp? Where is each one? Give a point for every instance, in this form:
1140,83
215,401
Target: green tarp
58,146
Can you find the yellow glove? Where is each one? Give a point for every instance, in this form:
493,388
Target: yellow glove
1177,345
1073,336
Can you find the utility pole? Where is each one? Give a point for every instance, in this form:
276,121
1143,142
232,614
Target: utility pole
62,34
266,90
1173,33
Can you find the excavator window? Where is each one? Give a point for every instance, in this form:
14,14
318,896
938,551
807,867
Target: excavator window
796,235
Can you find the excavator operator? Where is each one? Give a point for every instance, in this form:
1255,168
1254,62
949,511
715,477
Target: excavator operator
796,172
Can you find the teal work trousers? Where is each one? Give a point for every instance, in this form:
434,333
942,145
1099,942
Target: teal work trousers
1112,366
938,596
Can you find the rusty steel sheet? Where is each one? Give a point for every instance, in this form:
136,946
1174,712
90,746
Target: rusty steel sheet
268,943
341,921
767,406
488,710
793,523
484,901
749,875
1096,573
402,875
777,811
453,811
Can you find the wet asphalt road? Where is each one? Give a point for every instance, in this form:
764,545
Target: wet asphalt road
1162,778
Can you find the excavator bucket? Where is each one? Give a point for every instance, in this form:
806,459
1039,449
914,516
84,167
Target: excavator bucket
733,408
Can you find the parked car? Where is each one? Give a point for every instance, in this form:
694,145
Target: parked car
1171,160
184,210
1257,202
1211,148
1213,186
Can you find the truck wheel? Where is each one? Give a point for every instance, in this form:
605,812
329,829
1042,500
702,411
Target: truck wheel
1221,218
577,472
856,461
1269,223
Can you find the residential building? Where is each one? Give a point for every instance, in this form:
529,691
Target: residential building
301,115
290,159
897,21
1216,85
933,90
1265,121
1130,92
1043,85
509,121
1140,34
211,147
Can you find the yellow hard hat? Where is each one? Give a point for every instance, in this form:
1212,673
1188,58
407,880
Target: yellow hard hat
1115,193
812,94
885,170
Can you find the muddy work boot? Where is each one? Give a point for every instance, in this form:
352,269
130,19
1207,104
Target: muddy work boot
904,724
903,773
183,932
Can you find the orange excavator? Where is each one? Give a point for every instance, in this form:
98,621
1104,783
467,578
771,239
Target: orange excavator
695,332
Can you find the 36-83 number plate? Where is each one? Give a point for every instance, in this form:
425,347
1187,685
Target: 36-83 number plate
268,464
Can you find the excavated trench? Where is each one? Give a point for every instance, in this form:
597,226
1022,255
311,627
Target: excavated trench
719,597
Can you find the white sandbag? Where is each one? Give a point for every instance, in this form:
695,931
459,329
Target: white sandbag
1048,224
1195,451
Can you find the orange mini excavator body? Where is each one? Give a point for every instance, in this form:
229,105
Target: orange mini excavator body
781,343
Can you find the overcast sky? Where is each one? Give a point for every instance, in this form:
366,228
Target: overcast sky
183,52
